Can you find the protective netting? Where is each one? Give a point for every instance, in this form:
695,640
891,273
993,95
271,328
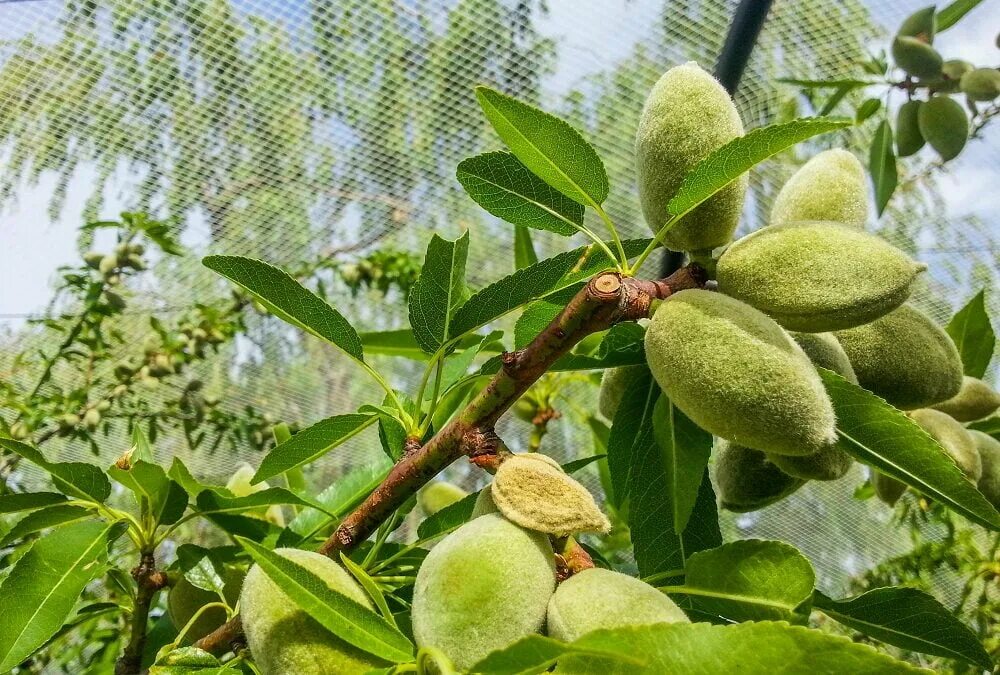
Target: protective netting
306,130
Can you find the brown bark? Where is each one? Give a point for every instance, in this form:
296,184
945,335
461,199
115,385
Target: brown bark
148,581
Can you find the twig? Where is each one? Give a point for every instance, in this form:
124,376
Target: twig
148,580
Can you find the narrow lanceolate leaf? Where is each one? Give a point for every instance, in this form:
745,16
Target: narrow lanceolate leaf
289,300
755,647
312,443
76,479
502,185
439,291
524,249
954,12
910,619
684,451
875,433
46,583
739,156
552,149
882,166
355,624
825,84
28,501
749,580
343,495
370,586
972,333
211,501
43,519
164,499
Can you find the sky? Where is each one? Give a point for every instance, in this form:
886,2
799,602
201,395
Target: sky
591,36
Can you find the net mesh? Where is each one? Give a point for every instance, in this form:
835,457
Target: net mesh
303,130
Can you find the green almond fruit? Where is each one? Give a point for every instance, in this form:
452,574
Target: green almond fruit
93,259
830,186
829,463
438,495
887,488
974,401
746,480
981,84
737,374
598,598
687,116
989,454
916,57
951,76
284,639
483,587
613,383
909,140
905,358
944,125
922,24
185,599
807,276
825,351
484,503
954,438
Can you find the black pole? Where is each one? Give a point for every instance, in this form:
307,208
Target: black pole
743,33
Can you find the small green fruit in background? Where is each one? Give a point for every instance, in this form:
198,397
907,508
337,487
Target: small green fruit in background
905,358
830,463
185,599
613,383
484,586
737,374
284,639
909,140
989,453
916,57
954,438
93,259
598,598
539,496
687,116
944,125
108,264
817,276
952,72
484,503
974,401
91,419
824,350
830,186
438,495
981,84
922,24
239,485
887,488
746,480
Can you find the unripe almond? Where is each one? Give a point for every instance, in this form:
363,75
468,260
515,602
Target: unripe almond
817,276
746,480
887,488
185,599
538,496
922,24
438,495
989,453
905,358
483,587
597,598
945,126
737,374
916,57
954,438
687,116
981,84
613,383
974,401
824,350
830,186
284,639
909,140
239,485
829,463
484,503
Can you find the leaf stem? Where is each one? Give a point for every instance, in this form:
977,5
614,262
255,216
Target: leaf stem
622,257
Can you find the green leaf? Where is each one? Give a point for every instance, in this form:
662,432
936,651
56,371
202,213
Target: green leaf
76,479
835,98
43,519
399,342
210,501
448,518
46,583
882,166
990,425
164,499
757,647
183,476
577,464
439,291
371,588
749,580
202,567
552,149
289,300
868,108
684,451
875,433
909,619
28,501
826,84
343,495
739,156
953,13
524,250
972,333
502,185
345,618
312,443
